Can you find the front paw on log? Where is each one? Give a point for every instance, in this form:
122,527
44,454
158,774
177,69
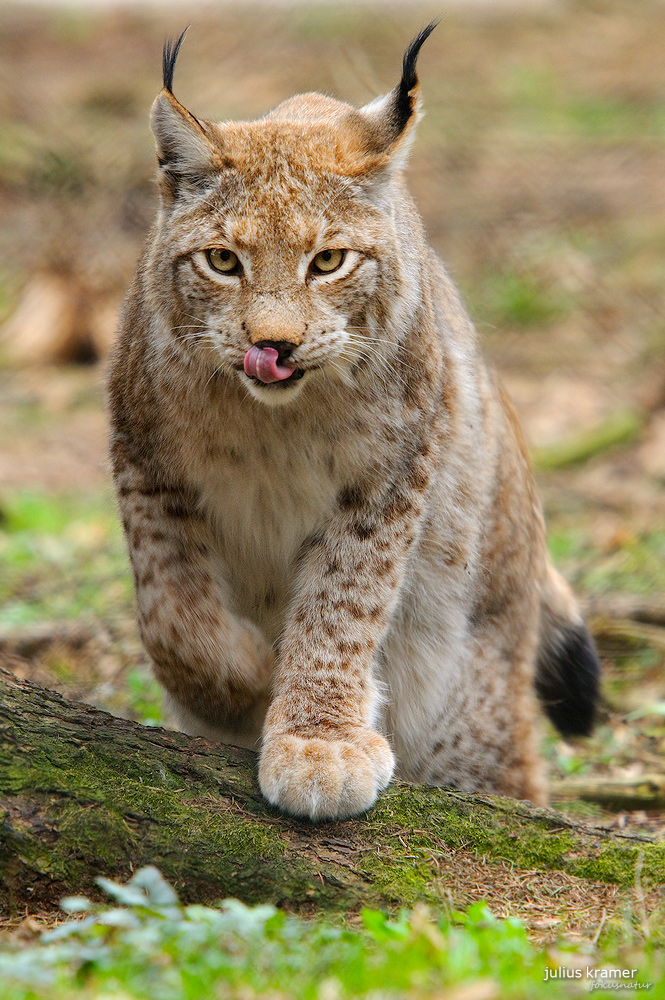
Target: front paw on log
324,778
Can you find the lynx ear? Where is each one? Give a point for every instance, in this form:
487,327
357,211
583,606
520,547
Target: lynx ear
185,151
391,118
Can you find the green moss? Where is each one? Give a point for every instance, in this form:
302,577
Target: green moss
90,780
504,831
199,836
612,865
499,834
399,881
99,833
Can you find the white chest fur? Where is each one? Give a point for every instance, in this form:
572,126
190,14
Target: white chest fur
264,497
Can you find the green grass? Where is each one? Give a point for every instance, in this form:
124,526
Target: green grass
144,698
149,946
636,565
511,298
62,558
542,101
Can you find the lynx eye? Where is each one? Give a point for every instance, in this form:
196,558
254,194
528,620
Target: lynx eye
224,261
327,261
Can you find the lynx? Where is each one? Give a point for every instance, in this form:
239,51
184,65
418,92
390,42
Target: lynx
338,551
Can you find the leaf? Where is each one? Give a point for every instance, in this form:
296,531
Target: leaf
156,888
127,895
247,919
75,904
383,929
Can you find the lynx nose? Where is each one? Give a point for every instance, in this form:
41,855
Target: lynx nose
275,328
283,348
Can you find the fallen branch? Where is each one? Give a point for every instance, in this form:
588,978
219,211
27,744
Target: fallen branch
646,792
615,634
649,609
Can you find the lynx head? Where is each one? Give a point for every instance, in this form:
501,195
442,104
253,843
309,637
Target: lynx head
286,252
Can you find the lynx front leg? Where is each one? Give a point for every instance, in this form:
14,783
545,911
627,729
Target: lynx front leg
215,667
321,757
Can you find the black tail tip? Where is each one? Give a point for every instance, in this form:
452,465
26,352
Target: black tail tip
169,56
568,681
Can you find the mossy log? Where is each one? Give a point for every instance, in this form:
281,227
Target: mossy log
86,794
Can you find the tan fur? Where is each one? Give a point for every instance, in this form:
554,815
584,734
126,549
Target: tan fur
359,554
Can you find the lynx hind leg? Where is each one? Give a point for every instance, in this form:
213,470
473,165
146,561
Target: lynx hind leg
226,699
243,730
567,669
486,739
215,666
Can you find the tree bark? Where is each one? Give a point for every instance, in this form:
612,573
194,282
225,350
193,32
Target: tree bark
86,794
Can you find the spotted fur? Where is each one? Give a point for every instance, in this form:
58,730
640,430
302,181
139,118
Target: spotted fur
347,569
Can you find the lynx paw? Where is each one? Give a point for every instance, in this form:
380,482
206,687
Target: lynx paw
324,779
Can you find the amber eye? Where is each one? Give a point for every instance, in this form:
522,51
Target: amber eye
224,261
327,261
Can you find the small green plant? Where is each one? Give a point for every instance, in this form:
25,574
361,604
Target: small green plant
149,945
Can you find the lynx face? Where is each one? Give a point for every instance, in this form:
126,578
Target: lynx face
272,258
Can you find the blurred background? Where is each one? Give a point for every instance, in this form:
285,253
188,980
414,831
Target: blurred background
540,171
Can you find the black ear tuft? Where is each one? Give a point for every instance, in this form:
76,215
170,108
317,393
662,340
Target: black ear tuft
169,56
404,103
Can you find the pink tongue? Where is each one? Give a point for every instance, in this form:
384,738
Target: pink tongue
261,363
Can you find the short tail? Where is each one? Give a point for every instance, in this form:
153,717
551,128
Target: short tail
567,668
